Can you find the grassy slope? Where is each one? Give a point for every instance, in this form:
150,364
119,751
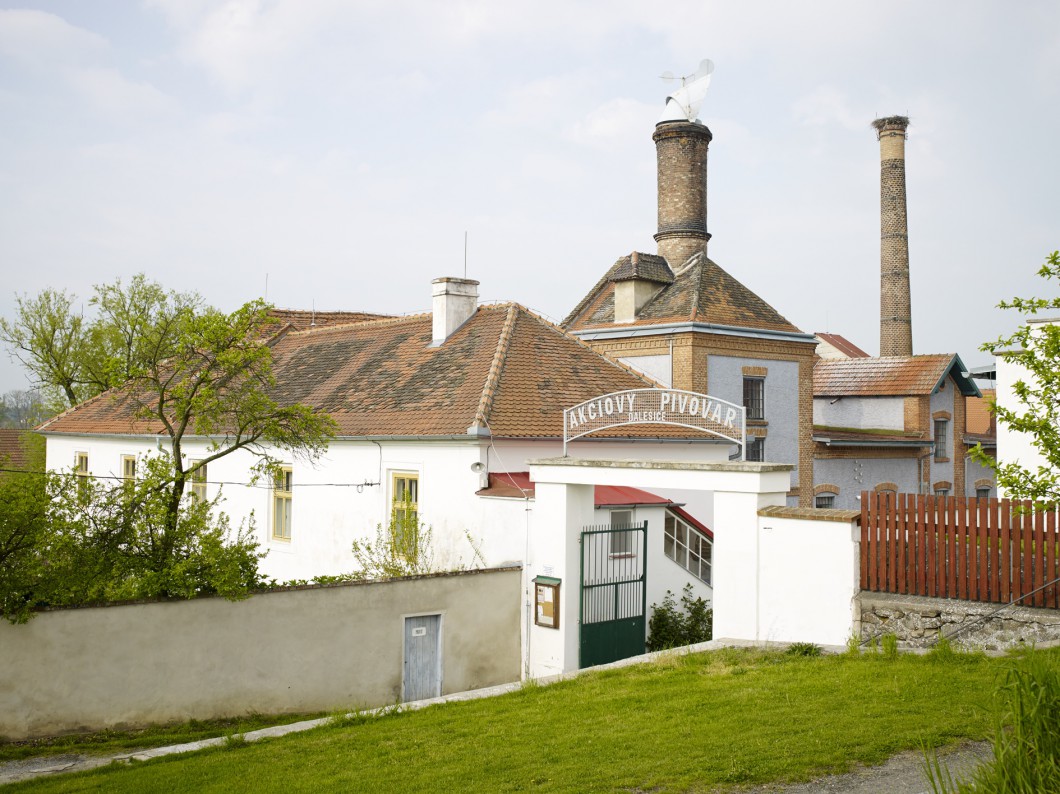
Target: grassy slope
687,723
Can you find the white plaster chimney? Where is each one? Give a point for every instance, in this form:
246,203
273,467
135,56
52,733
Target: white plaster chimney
455,300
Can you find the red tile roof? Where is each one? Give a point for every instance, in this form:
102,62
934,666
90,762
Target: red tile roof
701,292
887,376
842,344
13,447
506,369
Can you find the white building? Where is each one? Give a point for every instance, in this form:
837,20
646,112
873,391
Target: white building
428,407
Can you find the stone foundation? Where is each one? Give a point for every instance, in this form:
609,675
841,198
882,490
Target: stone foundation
917,620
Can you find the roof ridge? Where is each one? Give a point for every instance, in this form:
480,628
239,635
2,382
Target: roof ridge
493,377
394,320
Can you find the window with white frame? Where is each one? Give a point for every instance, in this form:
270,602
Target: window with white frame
688,547
282,504
622,543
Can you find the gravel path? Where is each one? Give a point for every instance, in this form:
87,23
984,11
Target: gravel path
900,774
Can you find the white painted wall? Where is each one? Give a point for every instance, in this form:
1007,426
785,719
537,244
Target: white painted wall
658,368
818,560
1013,447
877,413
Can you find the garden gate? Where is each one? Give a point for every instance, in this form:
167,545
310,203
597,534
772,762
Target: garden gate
613,595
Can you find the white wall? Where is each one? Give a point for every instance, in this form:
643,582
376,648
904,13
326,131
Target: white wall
878,413
808,578
1013,447
313,649
658,368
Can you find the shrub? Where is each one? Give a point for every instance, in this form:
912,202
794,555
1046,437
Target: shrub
673,627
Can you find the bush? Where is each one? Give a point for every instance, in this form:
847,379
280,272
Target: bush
673,627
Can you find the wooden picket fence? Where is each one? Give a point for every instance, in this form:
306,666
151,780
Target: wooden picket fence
994,550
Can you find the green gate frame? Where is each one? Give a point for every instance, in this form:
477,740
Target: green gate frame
623,633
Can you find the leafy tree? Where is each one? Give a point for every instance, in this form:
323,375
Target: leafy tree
192,369
48,337
67,540
1036,412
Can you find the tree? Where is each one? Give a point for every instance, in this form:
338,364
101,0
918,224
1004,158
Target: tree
73,358
193,370
48,337
1036,348
22,409
67,540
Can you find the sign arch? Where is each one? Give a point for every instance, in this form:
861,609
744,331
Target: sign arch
674,407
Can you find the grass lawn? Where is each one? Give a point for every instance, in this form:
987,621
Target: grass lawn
685,723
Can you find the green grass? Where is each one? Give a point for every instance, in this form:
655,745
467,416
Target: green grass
684,723
112,742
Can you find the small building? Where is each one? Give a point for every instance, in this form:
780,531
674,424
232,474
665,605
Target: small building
895,423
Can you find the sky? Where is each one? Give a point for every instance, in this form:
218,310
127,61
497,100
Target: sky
332,154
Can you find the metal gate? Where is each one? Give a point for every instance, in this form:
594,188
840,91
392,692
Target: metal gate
613,595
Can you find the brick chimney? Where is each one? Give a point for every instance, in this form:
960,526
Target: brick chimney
681,151
896,322
454,301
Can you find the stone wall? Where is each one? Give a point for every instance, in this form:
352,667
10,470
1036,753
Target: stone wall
917,620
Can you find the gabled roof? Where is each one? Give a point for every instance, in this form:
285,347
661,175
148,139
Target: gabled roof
506,371
842,345
701,292
889,376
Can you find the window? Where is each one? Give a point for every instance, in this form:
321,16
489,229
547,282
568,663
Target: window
756,448
688,547
404,515
622,542
982,493
281,505
128,467
754,397
826,500
941,426
942,492
198,483
81,470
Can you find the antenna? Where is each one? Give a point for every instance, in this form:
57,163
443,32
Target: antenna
683,104
266,287
313,315
465,253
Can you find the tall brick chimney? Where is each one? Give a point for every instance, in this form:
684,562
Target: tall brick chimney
681,150
896,322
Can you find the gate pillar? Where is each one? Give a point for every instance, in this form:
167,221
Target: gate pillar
560,512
